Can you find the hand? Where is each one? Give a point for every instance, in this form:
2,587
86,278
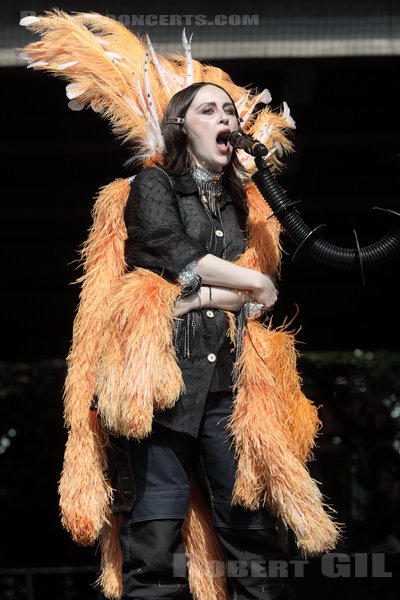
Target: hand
184,305
265,291
243,295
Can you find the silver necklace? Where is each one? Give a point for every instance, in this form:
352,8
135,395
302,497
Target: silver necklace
210,186
212,245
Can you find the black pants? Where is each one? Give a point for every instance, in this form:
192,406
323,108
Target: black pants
154,562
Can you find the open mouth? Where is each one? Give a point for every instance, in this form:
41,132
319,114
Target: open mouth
223,139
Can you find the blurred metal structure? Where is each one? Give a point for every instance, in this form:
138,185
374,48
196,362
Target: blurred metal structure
273,29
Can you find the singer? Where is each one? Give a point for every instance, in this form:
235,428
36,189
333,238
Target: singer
188,432
186,221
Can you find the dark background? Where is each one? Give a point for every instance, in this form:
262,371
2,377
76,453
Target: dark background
346,161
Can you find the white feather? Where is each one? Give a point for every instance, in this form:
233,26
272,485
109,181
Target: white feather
66,65
26,21
149,94
73,90
75,105
265,131
163,74
114,55
23,55
287,116
245,158
102,41
154,139
133,105
263,98
39,63
279,149
96,109
189,62
241,102
266,94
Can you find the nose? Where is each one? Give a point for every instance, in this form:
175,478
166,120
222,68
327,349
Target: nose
224,119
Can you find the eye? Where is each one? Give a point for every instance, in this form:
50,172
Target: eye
208,111
230,111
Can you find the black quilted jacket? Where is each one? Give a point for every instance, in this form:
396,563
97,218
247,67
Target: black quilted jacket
168,228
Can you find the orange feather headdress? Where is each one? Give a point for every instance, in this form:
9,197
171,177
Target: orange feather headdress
121,77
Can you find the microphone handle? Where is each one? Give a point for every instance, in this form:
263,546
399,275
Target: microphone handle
248,144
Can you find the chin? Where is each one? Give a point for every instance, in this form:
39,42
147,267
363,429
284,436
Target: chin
222,163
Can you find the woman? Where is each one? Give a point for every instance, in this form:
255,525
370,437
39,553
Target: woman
160,311
186,221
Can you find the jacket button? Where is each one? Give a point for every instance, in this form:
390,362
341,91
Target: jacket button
210,314
219,233
211,358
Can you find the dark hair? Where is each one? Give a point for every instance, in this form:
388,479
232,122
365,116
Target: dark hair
176,157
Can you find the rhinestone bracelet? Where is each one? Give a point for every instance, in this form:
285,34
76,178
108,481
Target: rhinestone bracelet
189,279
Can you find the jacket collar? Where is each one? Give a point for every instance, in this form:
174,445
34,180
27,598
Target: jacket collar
186,186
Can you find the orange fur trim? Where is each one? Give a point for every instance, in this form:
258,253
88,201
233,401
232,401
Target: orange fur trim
263,249
84,492
273,426
111,559
103,260
131,378
203,550
85,495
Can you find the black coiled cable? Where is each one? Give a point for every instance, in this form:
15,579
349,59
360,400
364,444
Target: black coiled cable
311,243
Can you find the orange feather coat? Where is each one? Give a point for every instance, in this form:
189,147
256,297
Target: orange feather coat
122,350
122,341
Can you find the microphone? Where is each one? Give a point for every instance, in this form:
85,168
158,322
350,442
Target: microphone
239,139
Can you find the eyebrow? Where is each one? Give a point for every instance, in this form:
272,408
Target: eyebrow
214,104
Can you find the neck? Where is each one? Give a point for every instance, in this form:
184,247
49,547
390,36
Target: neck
209,185
206,177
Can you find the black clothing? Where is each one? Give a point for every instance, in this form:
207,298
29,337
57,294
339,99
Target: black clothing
162,463
168,227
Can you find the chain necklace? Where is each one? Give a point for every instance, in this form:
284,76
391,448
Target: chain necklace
211,191
210,186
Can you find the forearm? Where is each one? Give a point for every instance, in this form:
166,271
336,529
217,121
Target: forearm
211,297
219,272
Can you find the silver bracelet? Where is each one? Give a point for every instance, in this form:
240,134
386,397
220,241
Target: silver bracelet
189,279
253,309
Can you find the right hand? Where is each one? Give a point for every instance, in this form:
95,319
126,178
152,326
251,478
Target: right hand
265,291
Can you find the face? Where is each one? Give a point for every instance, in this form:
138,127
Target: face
208,121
